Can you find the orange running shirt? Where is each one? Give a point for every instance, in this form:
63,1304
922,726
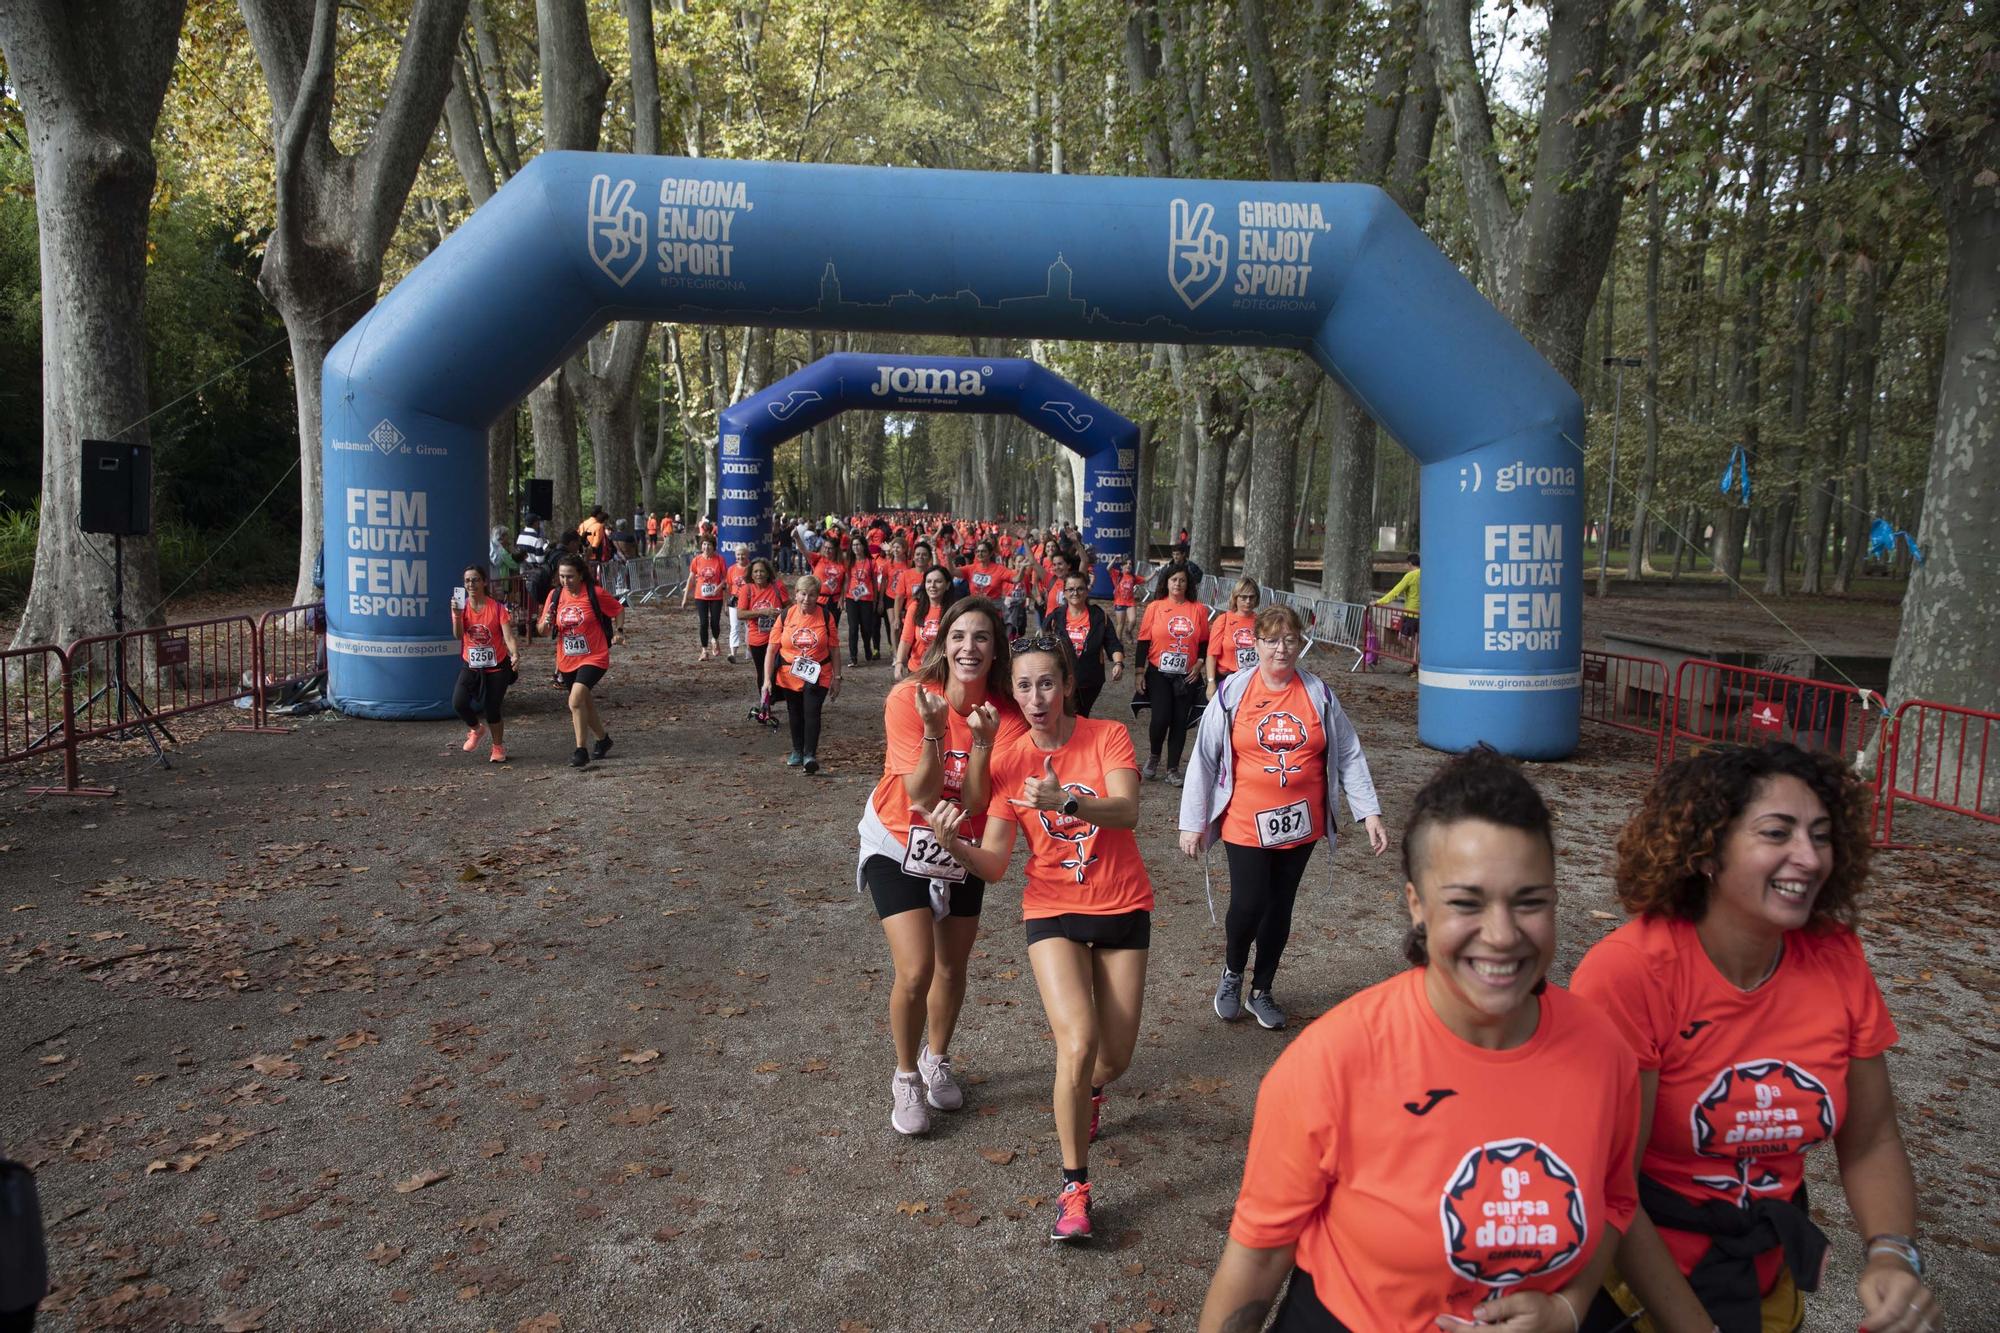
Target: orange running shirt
861,582
1174,632
1419,1174
1124,586
1073,866
1232,642
1279,766
831,579
580,637
752,597
707,578
904,727
801,633
482,644
917,638
986,580
1750,1081
735,578
908,580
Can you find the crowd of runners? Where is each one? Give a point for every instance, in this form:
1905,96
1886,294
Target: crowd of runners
1461,1145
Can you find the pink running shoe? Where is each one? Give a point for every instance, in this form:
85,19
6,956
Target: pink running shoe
1072,1212
1096,1114
472,738
499,755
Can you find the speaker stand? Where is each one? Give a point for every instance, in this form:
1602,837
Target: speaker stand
144,723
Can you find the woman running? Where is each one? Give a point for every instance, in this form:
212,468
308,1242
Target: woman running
802,665
831,572
1070,788
941,725
925,618
484,628
1760,1033
1124,598
586,620
1092,640
708,581
1232,636
737,573
984,577
1170,640
1273,756
760,600
861,590
1451,1148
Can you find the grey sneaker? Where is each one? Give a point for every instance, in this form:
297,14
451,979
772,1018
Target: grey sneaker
795,760
910,1115
1265,1010
1173,777
1152,769
1229,996
940,1089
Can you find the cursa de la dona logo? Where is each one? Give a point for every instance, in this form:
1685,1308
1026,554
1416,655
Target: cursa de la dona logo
1511,1210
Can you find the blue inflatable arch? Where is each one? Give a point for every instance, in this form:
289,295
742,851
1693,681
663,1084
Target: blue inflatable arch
752,429
1336,271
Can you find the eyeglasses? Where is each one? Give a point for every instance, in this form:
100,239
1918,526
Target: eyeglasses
1291,641
1037,643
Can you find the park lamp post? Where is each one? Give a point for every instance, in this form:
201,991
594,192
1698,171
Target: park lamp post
1618,364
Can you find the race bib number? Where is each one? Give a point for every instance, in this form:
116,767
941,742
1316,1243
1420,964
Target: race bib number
481,658
1285,825
859,592
707,591
1246,658
575,645
806,669
1174,664
927,858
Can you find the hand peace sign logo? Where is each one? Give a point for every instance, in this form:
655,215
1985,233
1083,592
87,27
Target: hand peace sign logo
1197,254
617,230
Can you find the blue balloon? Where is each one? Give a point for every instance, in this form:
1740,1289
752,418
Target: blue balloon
576,240
879,382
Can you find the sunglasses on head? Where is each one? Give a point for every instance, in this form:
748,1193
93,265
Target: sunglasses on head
1036,643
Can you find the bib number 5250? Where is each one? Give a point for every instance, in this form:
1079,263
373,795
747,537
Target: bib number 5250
1285,825
927,857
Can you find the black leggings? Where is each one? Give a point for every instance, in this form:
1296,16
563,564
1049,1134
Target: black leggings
1086,697
757,651
803,705
710,616
1172,700
862,634
1263,885
478,695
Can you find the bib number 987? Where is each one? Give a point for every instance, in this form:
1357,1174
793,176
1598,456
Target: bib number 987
1285,825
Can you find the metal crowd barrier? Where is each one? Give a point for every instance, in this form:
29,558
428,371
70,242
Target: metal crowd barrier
291,652
1384,632
35,702
1632,694
1716,704
1341,626
1937,757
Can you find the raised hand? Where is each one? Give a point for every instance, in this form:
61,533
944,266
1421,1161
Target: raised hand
931,709
944,819
1042,793
984,722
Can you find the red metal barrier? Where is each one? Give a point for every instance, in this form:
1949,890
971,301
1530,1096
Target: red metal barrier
1383,635
291,649
1631,694
169,669
1937,757
34,713
1718,704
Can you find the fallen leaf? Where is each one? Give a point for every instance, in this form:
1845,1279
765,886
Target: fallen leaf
493,1148
272,1066
665,1234
768,1067
913,1207
997,1156
645,1057
244,1321
384,1254
421,1180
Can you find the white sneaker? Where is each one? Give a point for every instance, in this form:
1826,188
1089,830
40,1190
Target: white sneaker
910,1115
940,1089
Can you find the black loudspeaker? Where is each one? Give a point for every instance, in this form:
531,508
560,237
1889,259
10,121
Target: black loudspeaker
117,488
541,497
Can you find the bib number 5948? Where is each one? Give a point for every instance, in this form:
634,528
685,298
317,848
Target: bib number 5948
1285,825
927,857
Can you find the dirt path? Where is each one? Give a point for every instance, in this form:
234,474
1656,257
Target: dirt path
349,1029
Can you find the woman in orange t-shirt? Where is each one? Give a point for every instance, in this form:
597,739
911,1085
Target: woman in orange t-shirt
1070,789
1451,1148
940,726
1124,598
578,613
708,581
760,599
485,631
1274,753
1760,1034
861,591
924,619
1232,636
802,666
1170,638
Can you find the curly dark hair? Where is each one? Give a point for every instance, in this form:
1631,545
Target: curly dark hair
1692,805
1480,784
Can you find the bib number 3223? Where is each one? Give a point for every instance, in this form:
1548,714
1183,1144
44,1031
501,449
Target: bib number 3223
927,858
1285,825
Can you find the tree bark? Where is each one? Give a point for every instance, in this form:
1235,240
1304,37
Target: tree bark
1283,405
336,212
1638,561
90,77
1805,307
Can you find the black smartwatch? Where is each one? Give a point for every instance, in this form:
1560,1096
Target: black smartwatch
1069,805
